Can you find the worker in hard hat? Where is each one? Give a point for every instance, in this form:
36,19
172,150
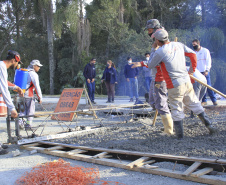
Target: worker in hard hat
12,60
158,90
32,85
171,58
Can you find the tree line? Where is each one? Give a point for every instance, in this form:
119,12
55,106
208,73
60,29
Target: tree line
65,34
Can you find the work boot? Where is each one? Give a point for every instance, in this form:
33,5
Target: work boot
21,124
215,103
113,101
204,103
153,106
137,99
131,100
109,100
168,124
192,114
93,102
4,146
27,125
204,118
3,151
178,125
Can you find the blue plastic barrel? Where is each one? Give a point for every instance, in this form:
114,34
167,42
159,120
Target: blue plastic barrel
20,78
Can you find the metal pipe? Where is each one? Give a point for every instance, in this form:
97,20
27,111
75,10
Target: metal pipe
17,129
8,126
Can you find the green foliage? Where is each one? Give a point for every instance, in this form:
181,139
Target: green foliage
79,79
218,74
66,14
63,68
99,73
211,38
65,86
116,33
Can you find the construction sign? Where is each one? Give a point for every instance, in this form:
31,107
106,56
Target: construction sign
68,101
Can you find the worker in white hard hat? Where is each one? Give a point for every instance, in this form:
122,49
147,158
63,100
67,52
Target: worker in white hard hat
32,85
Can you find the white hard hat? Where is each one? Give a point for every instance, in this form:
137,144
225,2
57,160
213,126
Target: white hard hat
161,35
36,62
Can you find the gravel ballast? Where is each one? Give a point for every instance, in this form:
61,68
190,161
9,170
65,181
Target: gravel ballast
138,136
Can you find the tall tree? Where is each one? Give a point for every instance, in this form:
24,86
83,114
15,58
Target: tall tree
46,8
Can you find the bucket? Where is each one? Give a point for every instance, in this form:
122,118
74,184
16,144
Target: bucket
3,107
20,78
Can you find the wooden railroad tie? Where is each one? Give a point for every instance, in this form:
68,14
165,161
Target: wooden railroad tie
198,171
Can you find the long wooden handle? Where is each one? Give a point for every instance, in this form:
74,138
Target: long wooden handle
216,91
155,117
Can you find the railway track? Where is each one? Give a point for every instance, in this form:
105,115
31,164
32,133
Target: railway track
202,170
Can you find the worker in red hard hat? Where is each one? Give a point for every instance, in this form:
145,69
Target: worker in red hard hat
12,60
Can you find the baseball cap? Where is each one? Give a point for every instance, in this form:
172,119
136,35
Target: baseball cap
161,35
152,23
128,58
93,59
14,54
36,62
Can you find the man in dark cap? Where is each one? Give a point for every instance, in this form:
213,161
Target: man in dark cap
152,25
90,74
12,60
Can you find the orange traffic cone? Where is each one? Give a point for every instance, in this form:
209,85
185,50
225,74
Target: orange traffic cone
3,107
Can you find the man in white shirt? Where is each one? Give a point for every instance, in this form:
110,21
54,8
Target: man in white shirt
204,65
200,90
12,60
32,85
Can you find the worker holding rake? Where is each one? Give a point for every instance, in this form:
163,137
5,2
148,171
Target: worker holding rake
171,58
158,90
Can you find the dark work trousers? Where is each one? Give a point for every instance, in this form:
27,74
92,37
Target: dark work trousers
148,82
29,110
210,92
160,98
91,90
110,90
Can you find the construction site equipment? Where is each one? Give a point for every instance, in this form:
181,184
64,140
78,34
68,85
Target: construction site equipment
20,78
68,129
201,170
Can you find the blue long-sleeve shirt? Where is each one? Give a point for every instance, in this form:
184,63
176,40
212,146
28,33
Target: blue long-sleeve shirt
110,75
130,72
89,71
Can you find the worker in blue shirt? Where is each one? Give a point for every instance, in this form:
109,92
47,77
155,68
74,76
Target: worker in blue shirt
90,74
131,78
